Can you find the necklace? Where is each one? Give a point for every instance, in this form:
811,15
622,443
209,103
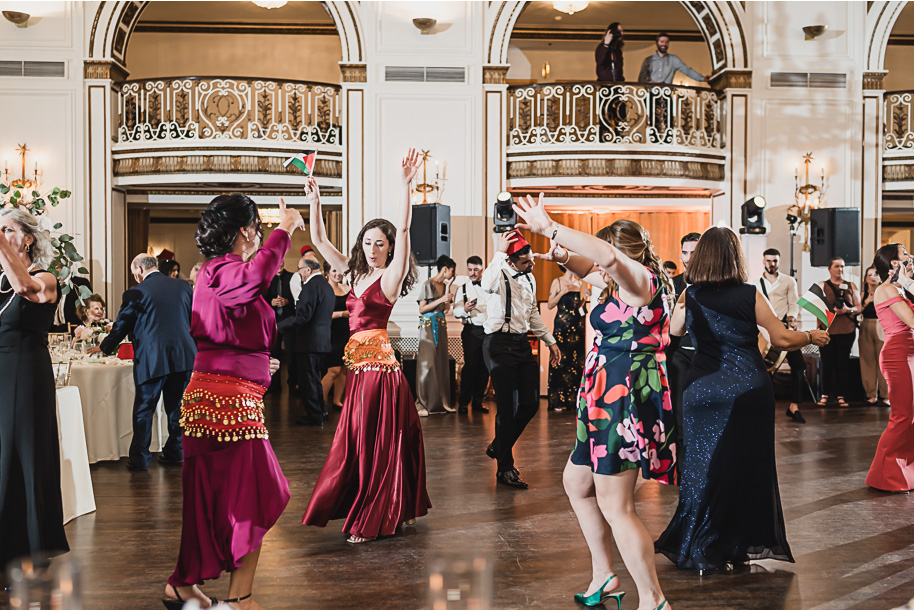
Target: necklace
10,290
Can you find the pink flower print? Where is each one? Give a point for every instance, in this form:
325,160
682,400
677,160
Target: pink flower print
659,433
648,316
629,454
658,465
613,313
631,431
596,453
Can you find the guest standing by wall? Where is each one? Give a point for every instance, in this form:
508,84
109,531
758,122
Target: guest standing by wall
31,510
335,378
608,54
374,476
893,466
871,340
156,315
729,506
170,268
470,308
279,296
844,298
233,488
568,296
433,381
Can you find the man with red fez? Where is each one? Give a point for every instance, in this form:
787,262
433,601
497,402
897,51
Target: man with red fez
512,312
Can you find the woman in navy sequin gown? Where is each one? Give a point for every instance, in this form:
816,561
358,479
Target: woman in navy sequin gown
729,506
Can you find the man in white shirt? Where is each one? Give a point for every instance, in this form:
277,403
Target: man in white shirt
511,312
781,291
295,283
470,307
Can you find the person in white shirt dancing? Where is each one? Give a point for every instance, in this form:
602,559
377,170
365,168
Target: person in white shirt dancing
470,307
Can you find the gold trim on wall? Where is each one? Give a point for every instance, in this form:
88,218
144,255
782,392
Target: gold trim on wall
616,167
222,164
732,79
495,75
354,73
100,69
874,80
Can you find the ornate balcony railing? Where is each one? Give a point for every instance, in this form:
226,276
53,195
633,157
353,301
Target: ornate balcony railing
191,111
596,115
898,151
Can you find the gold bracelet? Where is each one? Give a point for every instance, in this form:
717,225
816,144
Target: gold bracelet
567,258
809,336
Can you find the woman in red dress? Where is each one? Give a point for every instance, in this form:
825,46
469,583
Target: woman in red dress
893,465
374,476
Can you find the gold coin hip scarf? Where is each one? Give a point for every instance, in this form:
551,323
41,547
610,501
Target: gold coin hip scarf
370,350
223,408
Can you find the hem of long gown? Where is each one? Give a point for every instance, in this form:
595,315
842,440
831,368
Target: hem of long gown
753,554
216,574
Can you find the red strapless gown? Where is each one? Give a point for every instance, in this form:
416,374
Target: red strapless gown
893,465
374,476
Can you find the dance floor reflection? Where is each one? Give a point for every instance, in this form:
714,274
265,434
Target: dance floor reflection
854,546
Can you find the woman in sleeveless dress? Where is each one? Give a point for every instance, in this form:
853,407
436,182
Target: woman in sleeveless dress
893,466
31,510
567,296
729,507
374,476
843,296
335,378
625,423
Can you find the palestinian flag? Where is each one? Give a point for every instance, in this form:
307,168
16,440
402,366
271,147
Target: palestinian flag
814,301
304,161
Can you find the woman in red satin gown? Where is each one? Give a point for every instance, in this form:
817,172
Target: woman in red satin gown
374,476
893,466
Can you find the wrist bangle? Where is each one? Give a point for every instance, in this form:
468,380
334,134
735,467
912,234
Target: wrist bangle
808,337
567,257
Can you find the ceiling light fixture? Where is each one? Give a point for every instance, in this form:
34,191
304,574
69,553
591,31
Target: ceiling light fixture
570,7
21,20
270,4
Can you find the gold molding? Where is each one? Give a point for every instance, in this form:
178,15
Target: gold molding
616,167
874,80
104,69
898,172
354,73
732,79
218,164
495,75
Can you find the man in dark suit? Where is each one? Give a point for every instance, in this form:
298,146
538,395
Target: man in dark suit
66,309
279,296
311,328
156,315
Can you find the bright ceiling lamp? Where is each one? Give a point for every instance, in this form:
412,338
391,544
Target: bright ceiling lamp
270,4
569,7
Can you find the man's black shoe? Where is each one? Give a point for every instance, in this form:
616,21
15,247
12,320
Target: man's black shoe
511,479
490,450
480,408
796,416
136,468
165,461
307,421
462,409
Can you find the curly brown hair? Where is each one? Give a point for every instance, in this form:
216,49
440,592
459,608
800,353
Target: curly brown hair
635,243
358,263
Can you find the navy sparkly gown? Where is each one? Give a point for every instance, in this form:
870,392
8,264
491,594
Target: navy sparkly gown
729,506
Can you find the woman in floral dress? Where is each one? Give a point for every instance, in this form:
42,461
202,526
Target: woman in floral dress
625,422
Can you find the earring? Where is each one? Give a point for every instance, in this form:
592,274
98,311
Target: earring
28,248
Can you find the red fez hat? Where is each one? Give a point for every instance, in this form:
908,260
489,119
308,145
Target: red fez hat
518,244
305,249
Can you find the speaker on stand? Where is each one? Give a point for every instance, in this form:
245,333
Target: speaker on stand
834,232
430,232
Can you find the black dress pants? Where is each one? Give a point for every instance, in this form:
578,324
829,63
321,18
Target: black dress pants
797,372
680,360
171,389
475,375
309,367
836,356
515,375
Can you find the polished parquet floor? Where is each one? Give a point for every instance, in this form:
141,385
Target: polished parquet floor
854,546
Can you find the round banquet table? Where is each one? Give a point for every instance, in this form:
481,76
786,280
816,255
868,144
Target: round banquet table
107,393
75,479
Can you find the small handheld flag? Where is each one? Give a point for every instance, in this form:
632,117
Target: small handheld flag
304,161
814,301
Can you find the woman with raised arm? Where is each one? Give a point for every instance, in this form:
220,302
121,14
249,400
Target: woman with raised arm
729,506
374,476
233,488
625,422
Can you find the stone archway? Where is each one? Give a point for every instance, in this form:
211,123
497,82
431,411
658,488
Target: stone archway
880,20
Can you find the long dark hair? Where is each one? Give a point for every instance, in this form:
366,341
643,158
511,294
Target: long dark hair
866,283
222,220
882,261
617,41
358,263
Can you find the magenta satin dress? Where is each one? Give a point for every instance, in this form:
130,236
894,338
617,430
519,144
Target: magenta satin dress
374,476
233,492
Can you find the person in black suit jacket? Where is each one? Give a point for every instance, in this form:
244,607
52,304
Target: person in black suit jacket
311,328
156,315
66,311
279,296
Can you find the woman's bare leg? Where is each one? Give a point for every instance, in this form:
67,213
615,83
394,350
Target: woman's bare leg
242,582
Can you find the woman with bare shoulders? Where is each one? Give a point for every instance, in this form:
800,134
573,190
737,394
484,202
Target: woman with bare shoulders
374,476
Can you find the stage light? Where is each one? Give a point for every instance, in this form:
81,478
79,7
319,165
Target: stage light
753,216
504,215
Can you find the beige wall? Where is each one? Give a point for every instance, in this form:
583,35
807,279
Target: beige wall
301,58
898,63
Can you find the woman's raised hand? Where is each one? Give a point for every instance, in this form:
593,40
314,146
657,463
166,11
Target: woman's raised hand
410,165
312,191
534,214
555,252
289,218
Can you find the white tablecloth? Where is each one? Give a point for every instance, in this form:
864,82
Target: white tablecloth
107,393
75,481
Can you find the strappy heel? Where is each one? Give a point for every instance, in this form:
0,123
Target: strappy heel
662,603
236,599
177,602
598,597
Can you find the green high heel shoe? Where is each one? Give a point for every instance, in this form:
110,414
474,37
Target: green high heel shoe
598,597
660,607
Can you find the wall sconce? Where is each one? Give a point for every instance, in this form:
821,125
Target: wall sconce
23,184
814,32
425,24
547,69
21,20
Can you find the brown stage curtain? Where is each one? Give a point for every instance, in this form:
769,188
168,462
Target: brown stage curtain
665,228
137,237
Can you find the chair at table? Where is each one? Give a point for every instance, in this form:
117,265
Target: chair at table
61,371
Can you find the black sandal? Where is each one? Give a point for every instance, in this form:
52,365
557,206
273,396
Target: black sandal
236,599
171,603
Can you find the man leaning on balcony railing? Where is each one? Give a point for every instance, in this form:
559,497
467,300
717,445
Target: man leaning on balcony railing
662,66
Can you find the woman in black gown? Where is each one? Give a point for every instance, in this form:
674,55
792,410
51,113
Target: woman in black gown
31,511
569,298
729,506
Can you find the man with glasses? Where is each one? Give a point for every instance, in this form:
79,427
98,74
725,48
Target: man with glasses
470,307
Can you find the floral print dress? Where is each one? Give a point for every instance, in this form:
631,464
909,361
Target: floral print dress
625,419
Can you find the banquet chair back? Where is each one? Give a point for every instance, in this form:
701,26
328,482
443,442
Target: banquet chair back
61,371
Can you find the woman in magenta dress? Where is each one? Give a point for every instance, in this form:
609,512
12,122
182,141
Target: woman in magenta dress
893,466
233,488
374,476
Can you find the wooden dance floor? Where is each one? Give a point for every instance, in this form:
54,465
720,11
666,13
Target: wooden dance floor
854,547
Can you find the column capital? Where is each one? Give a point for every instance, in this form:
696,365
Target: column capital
874,80
104,69
354,73
732,79
495,75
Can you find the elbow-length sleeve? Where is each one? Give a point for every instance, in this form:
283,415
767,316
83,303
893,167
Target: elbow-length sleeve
236,283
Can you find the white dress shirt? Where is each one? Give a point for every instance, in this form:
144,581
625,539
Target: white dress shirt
782,294
525,314
467,293
295,286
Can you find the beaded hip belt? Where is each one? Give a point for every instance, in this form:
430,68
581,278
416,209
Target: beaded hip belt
370,350
226,408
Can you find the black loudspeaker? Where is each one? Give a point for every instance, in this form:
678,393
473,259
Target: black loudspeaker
430,232
834,232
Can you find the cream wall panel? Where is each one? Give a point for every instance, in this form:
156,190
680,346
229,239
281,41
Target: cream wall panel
51,26
451,35
783,36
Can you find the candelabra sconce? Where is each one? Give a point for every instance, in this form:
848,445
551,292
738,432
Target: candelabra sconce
436,185
25,185
806,197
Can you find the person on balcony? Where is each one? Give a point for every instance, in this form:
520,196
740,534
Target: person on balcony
609,54
662,65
